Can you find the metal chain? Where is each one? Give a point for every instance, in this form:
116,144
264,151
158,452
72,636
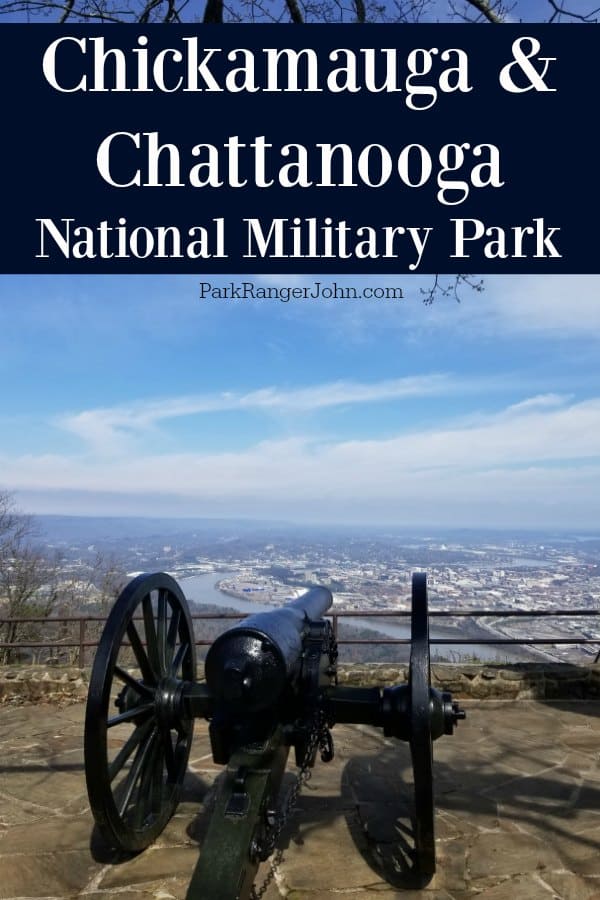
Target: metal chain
257,893
320,738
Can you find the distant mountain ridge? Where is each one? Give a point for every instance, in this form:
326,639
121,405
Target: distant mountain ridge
71,528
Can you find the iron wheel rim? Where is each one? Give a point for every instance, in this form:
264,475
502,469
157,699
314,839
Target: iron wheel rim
134,794
421,740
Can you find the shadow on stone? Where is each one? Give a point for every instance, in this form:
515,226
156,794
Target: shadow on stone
17,768
194,790
377,794
374,808
103,853
546,800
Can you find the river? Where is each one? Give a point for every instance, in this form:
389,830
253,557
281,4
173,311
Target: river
203,589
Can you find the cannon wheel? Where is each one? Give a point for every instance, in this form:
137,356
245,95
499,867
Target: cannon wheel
136,757
419,680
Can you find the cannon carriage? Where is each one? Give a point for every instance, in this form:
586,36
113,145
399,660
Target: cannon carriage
270,686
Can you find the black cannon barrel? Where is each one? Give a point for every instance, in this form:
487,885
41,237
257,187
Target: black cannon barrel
314,603
249,665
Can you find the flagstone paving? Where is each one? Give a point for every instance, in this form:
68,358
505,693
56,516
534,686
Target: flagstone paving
518,813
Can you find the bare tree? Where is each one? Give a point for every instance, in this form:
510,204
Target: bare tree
28,577
14,526
85,589
294,11
109,579
96,585
35,584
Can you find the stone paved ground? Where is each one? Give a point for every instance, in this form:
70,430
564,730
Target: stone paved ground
518,813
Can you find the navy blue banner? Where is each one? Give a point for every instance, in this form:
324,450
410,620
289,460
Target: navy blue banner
247,148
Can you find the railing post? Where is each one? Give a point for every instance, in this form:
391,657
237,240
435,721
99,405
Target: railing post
334,623
81,643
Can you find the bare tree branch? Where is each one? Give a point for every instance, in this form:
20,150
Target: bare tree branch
559,10
295,13
451,288
487,11
171,14
42,7
213,12
494,11
67,12
145,14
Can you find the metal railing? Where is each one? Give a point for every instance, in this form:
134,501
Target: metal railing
82,642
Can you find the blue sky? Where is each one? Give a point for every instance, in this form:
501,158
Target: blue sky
129,395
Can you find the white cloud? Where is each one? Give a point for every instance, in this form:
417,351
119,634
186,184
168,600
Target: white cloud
536,463
562,305
108,429
105,428
541,401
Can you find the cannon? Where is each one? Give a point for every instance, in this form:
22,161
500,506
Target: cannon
270,686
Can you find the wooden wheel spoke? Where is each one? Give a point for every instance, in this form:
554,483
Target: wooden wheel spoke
134,739
182,748
169,755
143,805
179,658
151,636
134,773
157,784
140,654
129,714
137,686
161,636
172,636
